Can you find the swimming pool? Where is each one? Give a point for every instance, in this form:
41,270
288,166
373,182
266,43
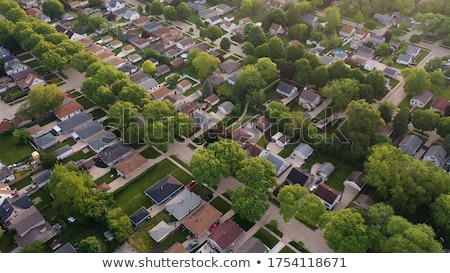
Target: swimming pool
337,50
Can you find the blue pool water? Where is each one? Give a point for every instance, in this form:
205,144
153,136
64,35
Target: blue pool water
337,50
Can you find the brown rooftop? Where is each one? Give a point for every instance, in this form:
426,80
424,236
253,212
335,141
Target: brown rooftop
202,219
160,93
326,193
226,234
68,109
130,164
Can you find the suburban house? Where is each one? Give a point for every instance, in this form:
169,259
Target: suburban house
241,136
262,124
225,236
114,5
102,141
41,178
410,144
412,51
139,217
435,154
212,99
439,105
150,84
281,164
377,40
68,111
201,119
140,22
207,13
329,196
369,66
311,20
35,131
88,131
128,68
30,226
20,121
347,31
382,18
299,176
355,180
253,149
134,58
404,59
325,170
421,99
6,174
31,80
281,139
363,201
252,245
130,164
96,49
222,9
201,219
14,66
115,44
215,20
309,99
327,60
63,152
184,85
164,190
159,93
390,72
115,153
303,151
226,107
227,26
287,90
394,45
229,66
6,193
185,44
13,206
188,108
276,29
365,52
232,79
46,141
131,15
178,63
175,99
182,204
73,123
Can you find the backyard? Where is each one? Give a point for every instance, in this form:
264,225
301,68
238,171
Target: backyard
131,196
13,153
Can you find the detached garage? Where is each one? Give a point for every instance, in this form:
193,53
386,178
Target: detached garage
303,151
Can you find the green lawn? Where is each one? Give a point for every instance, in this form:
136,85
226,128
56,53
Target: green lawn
33,63
7,243
150,153
299,246
48,120
201,190
141,240
268,239
79,155
25,57
181,162
44,195
22,183
286,249
220,204
85,102
12,153
131,196
107,178
98,113
286,152
341,172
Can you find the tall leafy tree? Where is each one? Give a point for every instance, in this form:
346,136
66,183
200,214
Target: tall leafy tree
205,167
21,136
207,88
170,13
267,69
158,110
439,211
425,119
205,64
149,67
417,80
53,8
225,43
156,7
400,122
247,206
41,99
119,223
254,34
259,175
342,91
82,60
183,11
230,154
213,33
35,247
135,94
248,81
123,113
91,244
386,109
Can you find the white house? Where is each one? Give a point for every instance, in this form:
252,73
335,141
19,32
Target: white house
303,151
6,174
131,15
287,90
226,107
329,196
421,99
404,59
184,86
281,139
185,44
435,154
355,180
114,5
280,164
346,31
309,99
325,170
69,110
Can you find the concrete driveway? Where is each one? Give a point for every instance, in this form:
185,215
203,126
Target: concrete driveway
348,195
8,111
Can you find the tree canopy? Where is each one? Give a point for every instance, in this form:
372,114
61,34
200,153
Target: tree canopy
42,99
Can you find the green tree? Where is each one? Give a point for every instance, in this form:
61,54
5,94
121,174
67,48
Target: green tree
15,14
345,231
319,76
205,64
278,16
417,80
205,167
156,7
230,154
225,43
123,113
259,176
438,77
249,49
386,109
443,126
172,79
170,13
247,206
254,34
213,33
248,81
439,211
53,8
425,119
304,72
294,52
82,60
134,93
338,70
91,244
434,64
103,97
21,136
207,88
298,32
262,51
267,69
415,38
158,110
119,223
89,87
149,67
296,201
293,15
400,122
94,22
333,16
288,71
383,50
342,91
361,123
41,99
446,143
358,18
35,247
184,11
276,48
47,160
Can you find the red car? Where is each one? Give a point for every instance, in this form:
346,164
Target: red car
204,107
213,227
190,184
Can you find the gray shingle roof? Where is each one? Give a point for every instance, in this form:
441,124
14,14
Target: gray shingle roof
46,141
113,153
89,129
182,204
75,122
410,144
164,189
41,176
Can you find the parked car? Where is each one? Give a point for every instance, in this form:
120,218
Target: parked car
213,227
319,180
209,197
192,245
190,184
205,106
30,188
